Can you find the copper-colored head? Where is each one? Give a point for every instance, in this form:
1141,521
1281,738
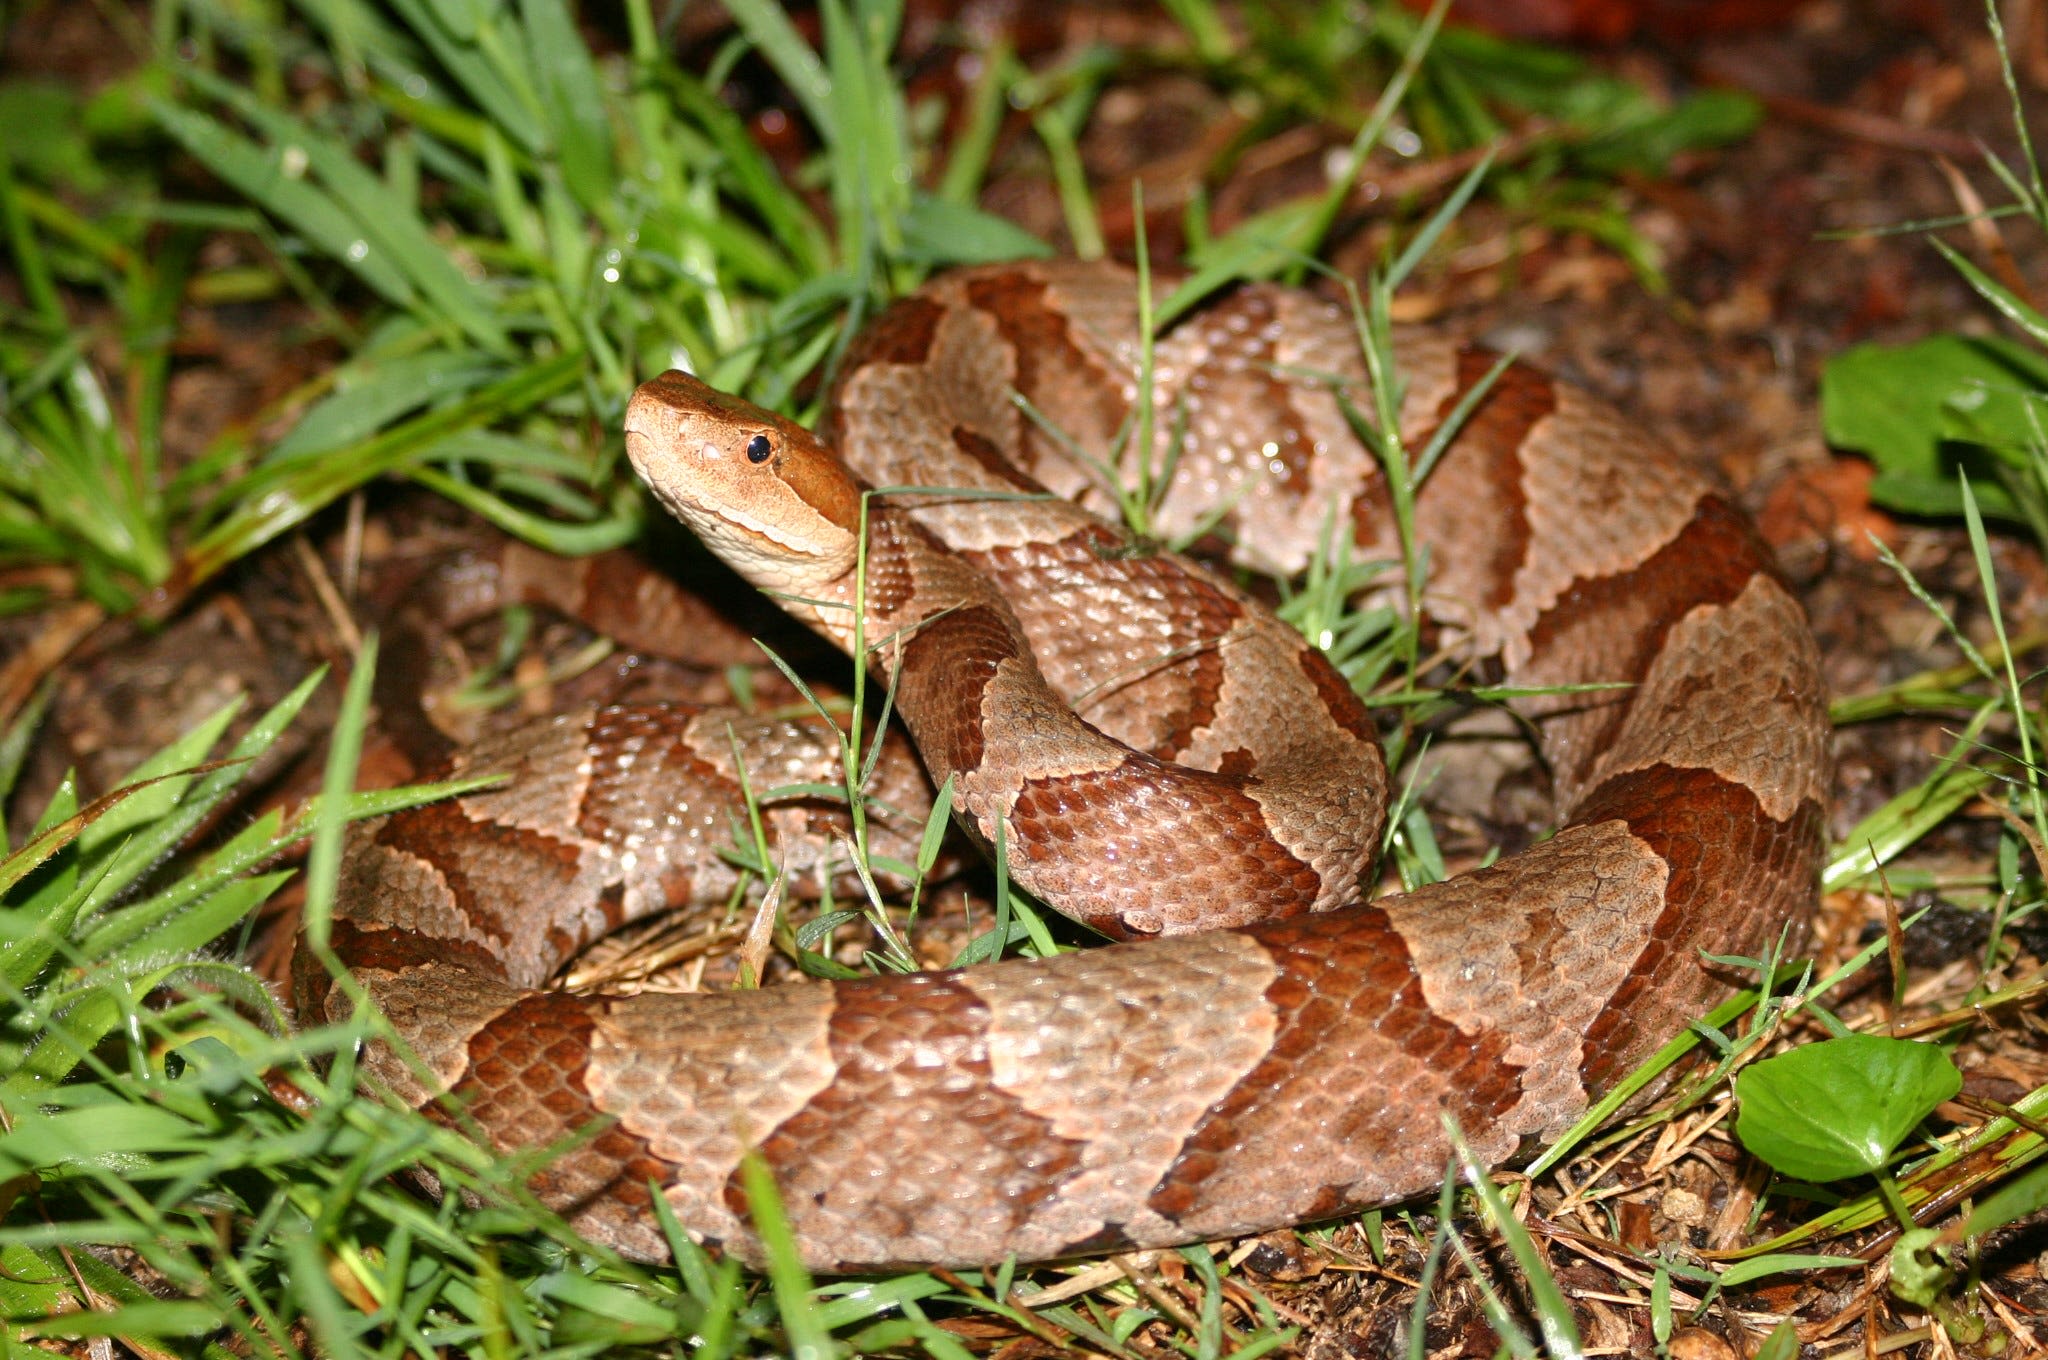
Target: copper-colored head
761,491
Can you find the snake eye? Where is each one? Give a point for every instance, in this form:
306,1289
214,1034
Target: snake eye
759,450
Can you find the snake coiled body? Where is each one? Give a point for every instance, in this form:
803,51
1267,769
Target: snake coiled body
1156,756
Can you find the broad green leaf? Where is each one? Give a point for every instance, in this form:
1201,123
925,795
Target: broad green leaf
1920,411
1835,1109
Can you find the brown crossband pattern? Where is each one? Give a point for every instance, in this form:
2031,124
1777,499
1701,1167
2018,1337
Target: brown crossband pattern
1163,760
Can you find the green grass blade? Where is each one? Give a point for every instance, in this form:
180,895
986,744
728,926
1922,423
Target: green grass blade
2010,304
330,820
509,109
260,175
278,499
1901,821
14,745
380,391
808,1337
574,104
768,27
386,224
1553,1314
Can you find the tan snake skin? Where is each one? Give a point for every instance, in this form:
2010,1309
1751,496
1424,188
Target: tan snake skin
1162,760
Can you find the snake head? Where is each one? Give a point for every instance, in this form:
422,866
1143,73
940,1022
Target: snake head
762,492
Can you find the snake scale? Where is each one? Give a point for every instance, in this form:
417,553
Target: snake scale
1160,759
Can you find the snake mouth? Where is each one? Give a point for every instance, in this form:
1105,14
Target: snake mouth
713,514
754,530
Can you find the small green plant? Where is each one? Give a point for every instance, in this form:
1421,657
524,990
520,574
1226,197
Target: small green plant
1955,426
1835,1109
82,487
1926,411
1954,405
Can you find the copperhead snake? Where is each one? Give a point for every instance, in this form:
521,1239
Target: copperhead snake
1161,759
